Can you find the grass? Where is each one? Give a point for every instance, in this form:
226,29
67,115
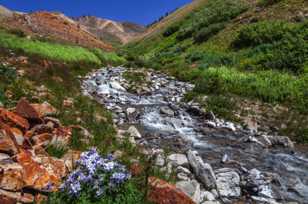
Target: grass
59,52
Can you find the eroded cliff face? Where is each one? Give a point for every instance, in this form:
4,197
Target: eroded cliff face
111,31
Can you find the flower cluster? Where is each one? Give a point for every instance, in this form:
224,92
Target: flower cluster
95,174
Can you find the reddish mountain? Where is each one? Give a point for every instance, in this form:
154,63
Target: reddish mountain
55,26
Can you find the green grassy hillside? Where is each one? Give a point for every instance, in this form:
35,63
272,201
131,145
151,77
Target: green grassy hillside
251,49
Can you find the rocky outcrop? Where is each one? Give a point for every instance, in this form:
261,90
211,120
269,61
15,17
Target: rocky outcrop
109,30
24,164
161,192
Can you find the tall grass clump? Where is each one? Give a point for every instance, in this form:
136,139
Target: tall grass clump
268,86
108,57
48,50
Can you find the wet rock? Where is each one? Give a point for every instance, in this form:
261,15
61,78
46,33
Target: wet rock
167,111
15,197
228,183
25,110
190,188
261,200
117,85
208,196
11,176
130,111
210,116
178,159
161,192
13,118
202,171
280,141
211,202
258,184
133,132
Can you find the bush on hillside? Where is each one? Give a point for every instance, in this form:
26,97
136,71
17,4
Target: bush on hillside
185,33
207,59
205,33
172,29
266,32
268,2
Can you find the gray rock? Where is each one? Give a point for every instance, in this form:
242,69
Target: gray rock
208,196
190,188
132,131
117,85
130,111
228,183
167,111
211,202
203,171
160,160
182,176
184,170
178,159
261,200
259,183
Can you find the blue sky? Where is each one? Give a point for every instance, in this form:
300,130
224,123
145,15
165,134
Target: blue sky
138,11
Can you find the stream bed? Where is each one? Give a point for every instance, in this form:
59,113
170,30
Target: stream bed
269,168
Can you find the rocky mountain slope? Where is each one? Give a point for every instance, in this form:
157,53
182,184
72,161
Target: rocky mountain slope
4,12
111,31
54,26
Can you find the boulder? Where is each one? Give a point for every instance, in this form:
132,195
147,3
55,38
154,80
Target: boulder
11,176
178,159
117,85
167,111
161,192
35,175
14,119
130,111
25,110
208,196
228,183
133,132
190,188
8,143
203,171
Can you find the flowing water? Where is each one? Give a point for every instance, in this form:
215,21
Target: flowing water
167,122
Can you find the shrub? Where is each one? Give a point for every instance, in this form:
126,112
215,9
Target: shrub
171,30
108,57
209,58
263,32
268,2
205,33
185,33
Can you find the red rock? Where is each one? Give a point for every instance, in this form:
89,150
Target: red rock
7,200
44,109
9,197
161,192
35,175
39,198
18,135
42,139
53,166
25,110
7,145
70,159
62,136
17,120
136,169
11,176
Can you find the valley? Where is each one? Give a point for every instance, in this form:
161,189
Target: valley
207,105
